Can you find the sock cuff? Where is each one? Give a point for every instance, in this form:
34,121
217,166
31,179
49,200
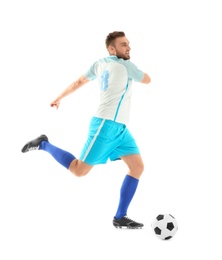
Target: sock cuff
131,179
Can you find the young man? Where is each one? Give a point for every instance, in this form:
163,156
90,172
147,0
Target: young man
109,137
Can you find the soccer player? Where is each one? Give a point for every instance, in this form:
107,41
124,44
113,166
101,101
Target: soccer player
108,137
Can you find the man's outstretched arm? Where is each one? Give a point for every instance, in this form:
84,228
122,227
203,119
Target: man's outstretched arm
70,89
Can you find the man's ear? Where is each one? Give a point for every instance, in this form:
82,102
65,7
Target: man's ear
111,50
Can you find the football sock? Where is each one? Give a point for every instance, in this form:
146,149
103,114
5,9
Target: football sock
127,192
61,156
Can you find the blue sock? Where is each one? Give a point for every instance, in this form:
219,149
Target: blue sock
61,156
127,192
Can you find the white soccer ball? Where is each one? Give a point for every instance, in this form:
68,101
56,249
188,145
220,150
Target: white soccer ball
164,226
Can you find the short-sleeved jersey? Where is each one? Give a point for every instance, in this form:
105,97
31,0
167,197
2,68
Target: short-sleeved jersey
115,78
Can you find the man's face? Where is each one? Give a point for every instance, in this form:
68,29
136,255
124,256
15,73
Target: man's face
121,48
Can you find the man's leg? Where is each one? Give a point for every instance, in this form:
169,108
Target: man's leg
128,189
63,157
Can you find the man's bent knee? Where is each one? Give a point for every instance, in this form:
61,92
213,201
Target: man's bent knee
135,164
137,172
79,168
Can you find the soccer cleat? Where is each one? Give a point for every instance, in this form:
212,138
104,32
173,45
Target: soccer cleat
34,144
126,222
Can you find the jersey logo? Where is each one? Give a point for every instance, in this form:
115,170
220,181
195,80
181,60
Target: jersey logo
104,80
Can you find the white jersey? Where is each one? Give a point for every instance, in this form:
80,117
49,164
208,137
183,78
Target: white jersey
115,78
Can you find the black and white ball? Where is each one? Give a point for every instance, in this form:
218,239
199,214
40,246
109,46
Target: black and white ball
164,226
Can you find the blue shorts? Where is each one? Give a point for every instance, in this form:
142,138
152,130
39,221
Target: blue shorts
107,140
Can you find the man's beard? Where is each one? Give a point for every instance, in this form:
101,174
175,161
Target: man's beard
122,57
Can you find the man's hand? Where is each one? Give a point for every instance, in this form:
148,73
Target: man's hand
55,103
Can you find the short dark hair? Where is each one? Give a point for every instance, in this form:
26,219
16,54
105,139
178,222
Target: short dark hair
112,36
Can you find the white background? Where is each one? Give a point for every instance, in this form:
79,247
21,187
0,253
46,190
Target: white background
45,211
